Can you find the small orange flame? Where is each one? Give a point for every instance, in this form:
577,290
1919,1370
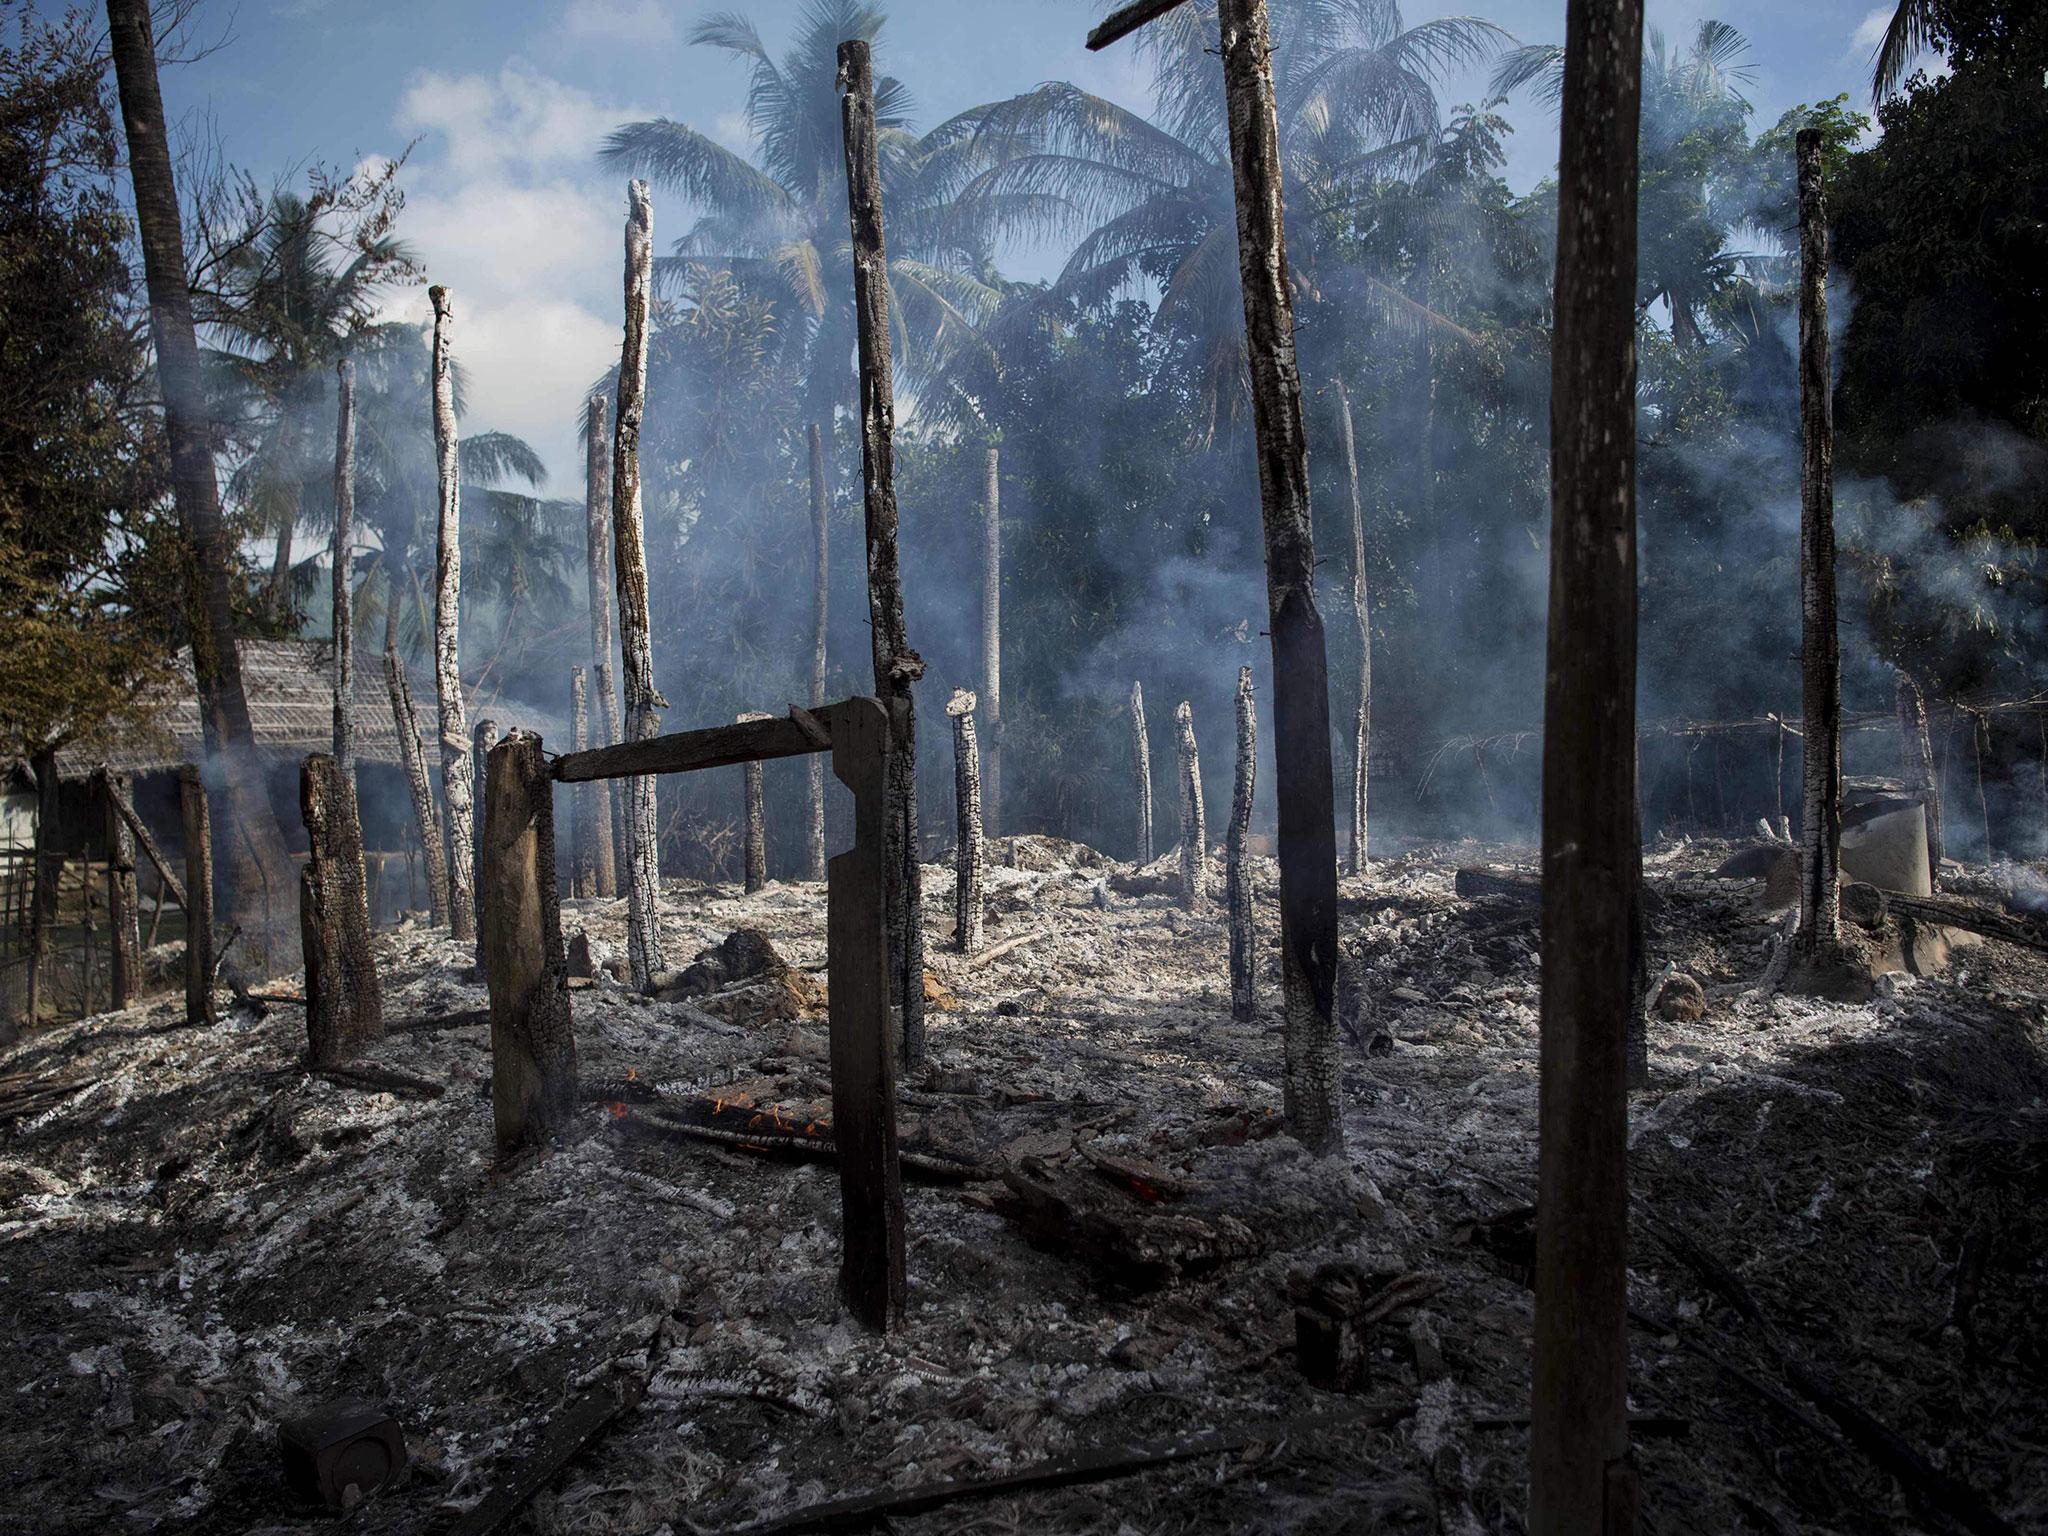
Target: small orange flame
618,1110
632,1074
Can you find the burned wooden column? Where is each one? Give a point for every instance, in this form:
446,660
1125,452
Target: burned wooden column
1820,826
1194,822
125,950
821,596
1242,1001
49,870
584,811
992,645
327,1031
533,1041
458,786
485,738
199,958
755,819
1141,756
597,507
970,855
1581,1479
1916,766
897,666
629,553
1361,617
363,991
413,754
871,1274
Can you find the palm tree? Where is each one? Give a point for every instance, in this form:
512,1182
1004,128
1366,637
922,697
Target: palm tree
1155,203
1909,34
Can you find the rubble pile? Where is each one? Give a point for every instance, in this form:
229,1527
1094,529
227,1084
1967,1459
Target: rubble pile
1110,1238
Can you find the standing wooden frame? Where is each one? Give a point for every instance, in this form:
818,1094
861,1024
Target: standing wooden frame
857,732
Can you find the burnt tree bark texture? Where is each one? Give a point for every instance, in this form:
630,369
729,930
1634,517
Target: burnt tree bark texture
1194,822
992,645
1581,1479
755,827
533,1040
970,854
327,1027
1916,766
349,894
1820,826
584,821
49,872
1141,757
629,554
821,573
483,739
1361,616
261,884
604,807
458,787
1242,1001
897,666
198,896
1303,777
123,907
413,754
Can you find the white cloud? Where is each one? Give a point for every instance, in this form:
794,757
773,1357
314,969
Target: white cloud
644,23
1870,31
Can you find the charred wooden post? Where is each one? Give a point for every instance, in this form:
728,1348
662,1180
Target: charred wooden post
871,1273
123,906
49,872
629,552
1242,1001
1303,777
327,1031
992,645
199,956
485,737
1820,827
349,891
970,857
584,824
821,572
1361,616
755,817
413,754
1916,766
1141,755
533,1041
604,808
897,666
1581,1477
458,787
1194,823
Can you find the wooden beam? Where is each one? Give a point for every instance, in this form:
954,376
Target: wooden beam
1123,22
718,746
164,873
199,956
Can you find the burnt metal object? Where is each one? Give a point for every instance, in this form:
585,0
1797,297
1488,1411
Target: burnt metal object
339,1445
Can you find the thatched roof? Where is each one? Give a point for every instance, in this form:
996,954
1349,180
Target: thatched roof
291,705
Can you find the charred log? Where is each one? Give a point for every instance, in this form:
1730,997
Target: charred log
1141,756
458,782
1194,824
969,856
1242,1000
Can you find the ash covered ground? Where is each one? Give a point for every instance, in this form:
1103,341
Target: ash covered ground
198,1238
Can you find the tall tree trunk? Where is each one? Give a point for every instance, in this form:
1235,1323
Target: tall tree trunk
643,701
1194,822
363,993
1301,688
1581,1478
200,958
48,876
970,856
458,782
277,594
897,666
588,830
1820,827
412,753
1361,614
992,645
1916,766
326,990
755,817
1141,755
605,813
264,889
123,909
821,570
483,739
1243,1004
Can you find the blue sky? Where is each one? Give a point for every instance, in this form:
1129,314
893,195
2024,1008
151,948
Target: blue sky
509,100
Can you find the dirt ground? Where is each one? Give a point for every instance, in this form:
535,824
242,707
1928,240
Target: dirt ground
198,1238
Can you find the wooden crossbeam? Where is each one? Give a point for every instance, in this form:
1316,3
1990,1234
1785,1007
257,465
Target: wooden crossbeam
1125,20
718,746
